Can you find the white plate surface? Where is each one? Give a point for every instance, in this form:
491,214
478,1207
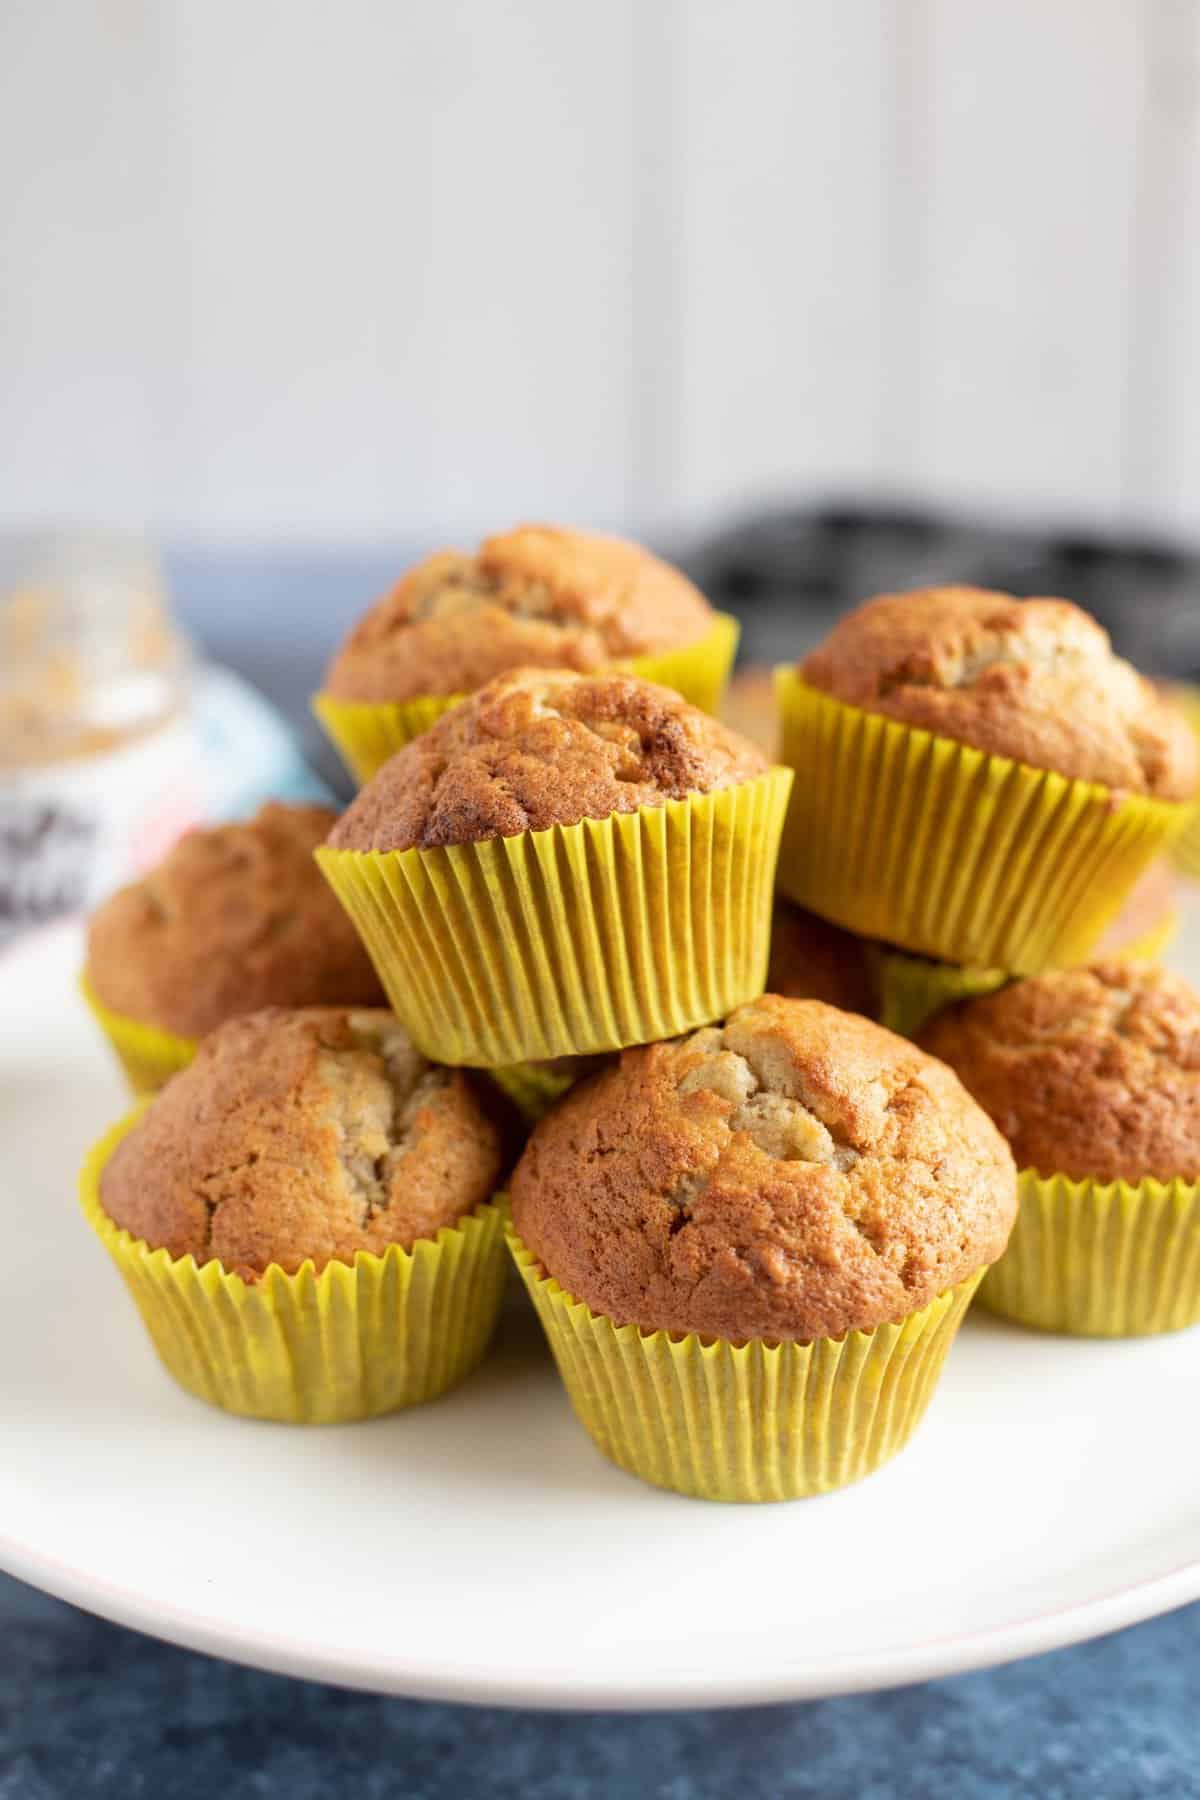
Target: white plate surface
480,1549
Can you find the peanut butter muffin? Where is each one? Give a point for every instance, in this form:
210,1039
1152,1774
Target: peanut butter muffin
813,960
798,1193
235,918
537,748
312,1186
562,865
980,779
1093,1075
540,596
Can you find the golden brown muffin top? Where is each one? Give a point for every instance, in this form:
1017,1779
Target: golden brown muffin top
1034,680
1087,1072
236,917
797,1173
543,747
540,596
814,960
297,1135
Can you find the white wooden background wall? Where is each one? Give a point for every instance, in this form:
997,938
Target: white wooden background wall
359,269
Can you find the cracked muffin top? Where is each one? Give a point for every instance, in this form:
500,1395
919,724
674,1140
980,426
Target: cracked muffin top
814,960
302,1135
796,1173
543,747
1087,1072
1033,680
236,917
539,596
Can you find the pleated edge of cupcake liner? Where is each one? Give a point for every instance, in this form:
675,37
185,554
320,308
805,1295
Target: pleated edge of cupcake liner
904,980
1175,813
352,724
1046,1191
775,775
488,1217
148,1044
962,767
535,1276
349,871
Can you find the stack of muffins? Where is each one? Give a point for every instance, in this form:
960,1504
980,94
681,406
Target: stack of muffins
752,1235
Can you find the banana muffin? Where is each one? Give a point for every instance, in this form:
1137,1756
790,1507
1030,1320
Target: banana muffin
1091,1073
814,960
235,918
538,596
979,779
1033,680
798,1172
563,865
542,747
298,1136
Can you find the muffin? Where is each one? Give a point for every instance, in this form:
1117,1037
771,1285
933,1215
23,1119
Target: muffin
563,865
235,918
751,1247
813,960
537,597
303,1218
980,779
1093,1075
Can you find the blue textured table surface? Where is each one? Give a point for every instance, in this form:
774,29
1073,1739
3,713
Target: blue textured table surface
89,1709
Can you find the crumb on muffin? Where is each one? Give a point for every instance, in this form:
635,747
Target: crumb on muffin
302,1135
540,747
1090,1073
539,596
814,960
796,1173
1033,680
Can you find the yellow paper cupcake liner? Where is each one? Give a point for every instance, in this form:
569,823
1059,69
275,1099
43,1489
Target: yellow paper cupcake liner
366,733
534,1087
940,849
1100,1259
148,1056
754,1421
912,988
355,1340
578,939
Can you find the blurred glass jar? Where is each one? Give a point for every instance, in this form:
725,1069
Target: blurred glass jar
98,767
